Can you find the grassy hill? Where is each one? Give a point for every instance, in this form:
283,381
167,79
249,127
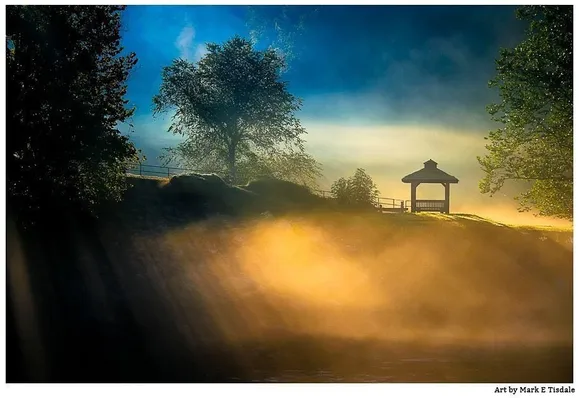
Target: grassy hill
194,280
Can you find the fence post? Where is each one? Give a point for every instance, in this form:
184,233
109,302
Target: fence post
168,168
140,169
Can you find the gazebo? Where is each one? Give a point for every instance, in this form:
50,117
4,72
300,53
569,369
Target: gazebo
430,174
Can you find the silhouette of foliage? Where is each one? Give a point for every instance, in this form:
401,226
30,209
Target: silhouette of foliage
232,107
65,88
535,144
357,191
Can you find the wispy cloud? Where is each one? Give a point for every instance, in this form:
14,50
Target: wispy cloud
187,47
185,41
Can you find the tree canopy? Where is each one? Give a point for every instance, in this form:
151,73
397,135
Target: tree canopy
357,191
65,95
233,109
535,143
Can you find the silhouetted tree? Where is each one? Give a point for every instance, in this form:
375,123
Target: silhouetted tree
340,191
65,88
230,105
535,144
356,191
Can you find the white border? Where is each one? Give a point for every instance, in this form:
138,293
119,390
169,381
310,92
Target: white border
252,390
299,2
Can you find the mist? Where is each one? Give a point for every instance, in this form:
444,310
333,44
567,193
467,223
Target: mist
362,280
363,297
389,152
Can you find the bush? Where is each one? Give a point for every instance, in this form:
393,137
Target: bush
358,191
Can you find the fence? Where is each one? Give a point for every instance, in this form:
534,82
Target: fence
147,170
383,204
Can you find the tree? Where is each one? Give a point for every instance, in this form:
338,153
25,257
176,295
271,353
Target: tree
357,191
340,191
231,105
535,144
65,87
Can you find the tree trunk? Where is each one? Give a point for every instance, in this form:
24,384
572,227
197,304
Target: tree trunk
232,170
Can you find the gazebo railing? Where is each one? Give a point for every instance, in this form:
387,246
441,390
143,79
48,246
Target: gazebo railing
430,205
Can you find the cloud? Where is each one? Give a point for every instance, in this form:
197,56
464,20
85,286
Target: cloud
374,108
185,43
442,81
396,150
442,72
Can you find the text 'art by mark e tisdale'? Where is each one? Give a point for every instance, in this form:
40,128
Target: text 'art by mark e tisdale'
536,390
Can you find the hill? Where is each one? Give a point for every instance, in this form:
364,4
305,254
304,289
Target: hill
194,280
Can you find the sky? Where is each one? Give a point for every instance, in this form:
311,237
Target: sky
384,88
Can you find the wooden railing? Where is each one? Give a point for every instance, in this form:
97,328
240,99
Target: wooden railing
391,205
157,171
382,204
430,205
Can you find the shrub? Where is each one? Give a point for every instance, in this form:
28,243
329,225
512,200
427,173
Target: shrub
358,191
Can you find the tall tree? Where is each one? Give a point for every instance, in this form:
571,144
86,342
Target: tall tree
65,95
535,144
231,104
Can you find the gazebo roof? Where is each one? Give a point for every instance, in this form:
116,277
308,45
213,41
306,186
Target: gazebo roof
430,173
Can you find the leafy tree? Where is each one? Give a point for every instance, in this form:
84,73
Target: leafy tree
535,144
65,88
231,105
357,191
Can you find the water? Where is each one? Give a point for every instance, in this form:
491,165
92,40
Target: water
349,362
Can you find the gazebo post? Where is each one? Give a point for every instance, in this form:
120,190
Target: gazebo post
446,197
413,187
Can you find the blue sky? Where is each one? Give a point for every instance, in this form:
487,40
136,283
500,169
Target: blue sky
356,64
384,87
